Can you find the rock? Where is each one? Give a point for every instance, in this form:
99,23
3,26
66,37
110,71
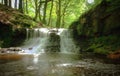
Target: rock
30,48
10,50
53,44
14,49
3,50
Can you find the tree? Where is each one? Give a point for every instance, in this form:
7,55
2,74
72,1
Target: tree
9,3
6,2
65,4
26,6
15,4
39,9
58,13
50,13
21,6
2,1
44,13
36,9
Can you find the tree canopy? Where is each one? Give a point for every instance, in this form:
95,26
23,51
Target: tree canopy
52,13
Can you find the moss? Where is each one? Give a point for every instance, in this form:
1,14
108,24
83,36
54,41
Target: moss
101,50
104,44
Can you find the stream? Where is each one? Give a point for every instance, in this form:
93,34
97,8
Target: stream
53,53
55,64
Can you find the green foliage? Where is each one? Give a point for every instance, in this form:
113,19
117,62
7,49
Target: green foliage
101,50
104,44
70,10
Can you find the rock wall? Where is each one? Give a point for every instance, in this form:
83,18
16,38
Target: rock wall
101,20
99,28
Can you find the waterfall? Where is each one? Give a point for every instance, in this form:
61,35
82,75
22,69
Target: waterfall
35,40
67,43
40,40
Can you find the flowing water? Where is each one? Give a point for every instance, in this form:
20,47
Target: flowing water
50,40
52,52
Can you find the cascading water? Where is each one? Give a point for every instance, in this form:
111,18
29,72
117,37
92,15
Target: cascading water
67,43
49,40
35,40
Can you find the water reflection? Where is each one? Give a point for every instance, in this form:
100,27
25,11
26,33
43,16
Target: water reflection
36,57
56,64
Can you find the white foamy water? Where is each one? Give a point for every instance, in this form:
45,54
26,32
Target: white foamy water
38,41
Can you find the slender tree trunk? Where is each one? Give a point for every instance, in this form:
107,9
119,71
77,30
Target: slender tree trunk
36,9
26,3
39,9
50,13
58,22
21,6
63,13
6,2
44,14
15,5
10,3
2,1
63,16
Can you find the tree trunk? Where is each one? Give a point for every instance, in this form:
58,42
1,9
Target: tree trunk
10,3
6,2
50,13
39,9
21,6
58,12
63,13
44,14
26,3
15,5
2,1
36,9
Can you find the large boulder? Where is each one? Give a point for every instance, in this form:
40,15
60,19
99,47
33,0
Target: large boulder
53,44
